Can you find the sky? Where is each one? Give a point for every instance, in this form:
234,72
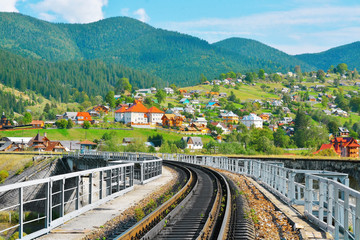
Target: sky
293,26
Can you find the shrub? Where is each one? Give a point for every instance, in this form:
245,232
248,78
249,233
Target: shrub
139,214
86,125
3,175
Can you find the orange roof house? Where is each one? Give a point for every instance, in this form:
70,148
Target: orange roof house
182,90
154,115
343,146
37,124
83,116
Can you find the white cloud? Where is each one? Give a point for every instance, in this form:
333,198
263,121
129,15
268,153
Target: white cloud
294,31
8,6
73,11
141,15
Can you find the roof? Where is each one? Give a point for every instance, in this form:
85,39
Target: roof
53,145
252,116
71,145
171,115
121,110
230,114
154,109
83,114
37,122
24,140
87,142
137,107
325,146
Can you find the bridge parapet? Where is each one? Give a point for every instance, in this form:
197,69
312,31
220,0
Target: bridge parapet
65,196
326,196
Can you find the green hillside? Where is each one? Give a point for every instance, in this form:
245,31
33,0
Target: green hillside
349,54
261,52
64,80
173,57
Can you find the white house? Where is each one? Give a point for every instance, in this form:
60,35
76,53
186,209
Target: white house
201,120
155,115
252,120
169,90
193,142
138,114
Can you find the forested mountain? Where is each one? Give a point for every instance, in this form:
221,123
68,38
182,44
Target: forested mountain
173,57
349,54
262,52
61,80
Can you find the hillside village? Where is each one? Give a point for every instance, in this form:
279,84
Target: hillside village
325,104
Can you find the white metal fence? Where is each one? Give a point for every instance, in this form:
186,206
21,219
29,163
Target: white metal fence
328,200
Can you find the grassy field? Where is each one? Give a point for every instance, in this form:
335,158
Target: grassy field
12,162
244,93
91,134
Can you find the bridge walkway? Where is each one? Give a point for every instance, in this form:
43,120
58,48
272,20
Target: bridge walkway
78,227
308,230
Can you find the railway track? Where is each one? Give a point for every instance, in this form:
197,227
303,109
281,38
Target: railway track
207,207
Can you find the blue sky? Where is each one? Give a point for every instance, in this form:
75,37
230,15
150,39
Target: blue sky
293,26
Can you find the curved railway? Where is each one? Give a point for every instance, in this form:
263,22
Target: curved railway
207,207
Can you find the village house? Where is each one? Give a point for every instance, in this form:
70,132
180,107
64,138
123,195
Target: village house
172,120
184,101
37,124
42,143
343,132
70,115
186,95
154,115
273,127
230,117
81,117
136,114
194,143
312,99
265,116
87,145
4,122
144,91
169,90
222,126
101,109
342,146
200,120
93,113
11,144
252,120
212,105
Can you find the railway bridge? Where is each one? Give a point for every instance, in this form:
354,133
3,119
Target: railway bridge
324,197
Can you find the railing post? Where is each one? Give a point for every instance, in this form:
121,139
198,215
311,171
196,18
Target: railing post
357,219
21,212
47,204
322,192
330,205
308,194
291,186
101,184
346,215
90,187
62,197
336,203
77,202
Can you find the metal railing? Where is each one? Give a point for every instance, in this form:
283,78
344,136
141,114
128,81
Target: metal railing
58,199
328,200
